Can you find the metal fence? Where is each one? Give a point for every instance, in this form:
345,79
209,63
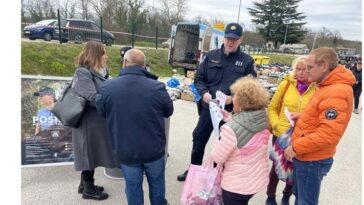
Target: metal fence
79,31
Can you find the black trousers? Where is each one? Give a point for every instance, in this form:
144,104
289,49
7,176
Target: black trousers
230,198
357,93
201,135
88,175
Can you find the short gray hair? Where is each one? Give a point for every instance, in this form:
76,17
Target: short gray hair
135,57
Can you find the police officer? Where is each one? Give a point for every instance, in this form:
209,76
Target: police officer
219,69
123,50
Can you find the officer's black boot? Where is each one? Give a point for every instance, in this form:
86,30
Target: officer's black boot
81,186
285,200
90,192
182,177
271,201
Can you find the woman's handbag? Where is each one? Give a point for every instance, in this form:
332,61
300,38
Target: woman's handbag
70,107
202,185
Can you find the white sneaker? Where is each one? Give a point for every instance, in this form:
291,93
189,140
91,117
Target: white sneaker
356,111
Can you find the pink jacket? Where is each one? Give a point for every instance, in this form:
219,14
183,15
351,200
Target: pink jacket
246,169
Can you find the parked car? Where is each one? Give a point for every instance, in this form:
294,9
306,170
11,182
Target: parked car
288,50
42,30
79,31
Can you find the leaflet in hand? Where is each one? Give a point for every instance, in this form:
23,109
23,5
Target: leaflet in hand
220,99
216,116
288,115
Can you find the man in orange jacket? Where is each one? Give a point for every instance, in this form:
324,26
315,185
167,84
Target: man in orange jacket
321,125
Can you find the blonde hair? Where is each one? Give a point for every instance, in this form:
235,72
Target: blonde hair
90,56
325,55
296,61
250,94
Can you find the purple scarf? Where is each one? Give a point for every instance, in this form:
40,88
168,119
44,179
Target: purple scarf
302,86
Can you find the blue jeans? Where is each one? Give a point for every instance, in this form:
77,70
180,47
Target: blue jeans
154,172
307,180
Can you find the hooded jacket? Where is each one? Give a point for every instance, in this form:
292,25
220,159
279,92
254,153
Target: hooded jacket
325,118
292,100
243,149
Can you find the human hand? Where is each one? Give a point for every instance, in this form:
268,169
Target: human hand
229,100
226,115
206,97
289,153
295,116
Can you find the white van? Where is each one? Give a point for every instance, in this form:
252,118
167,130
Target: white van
190,42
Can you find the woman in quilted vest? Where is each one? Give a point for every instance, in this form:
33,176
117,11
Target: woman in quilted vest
242,146
294,93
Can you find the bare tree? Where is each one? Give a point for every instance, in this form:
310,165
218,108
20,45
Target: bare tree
39,9
67,8
85,9
166,10
181,8
174,10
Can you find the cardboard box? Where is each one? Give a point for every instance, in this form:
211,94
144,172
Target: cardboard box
188,96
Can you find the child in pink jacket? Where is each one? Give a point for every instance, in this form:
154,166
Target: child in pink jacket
242,147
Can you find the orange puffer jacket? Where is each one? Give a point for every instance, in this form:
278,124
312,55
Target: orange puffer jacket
325,118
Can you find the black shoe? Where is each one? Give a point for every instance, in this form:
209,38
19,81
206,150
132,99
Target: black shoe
271,201
182,177
80,188
285,200
90,192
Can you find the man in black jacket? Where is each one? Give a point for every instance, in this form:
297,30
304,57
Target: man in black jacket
219,69
135,105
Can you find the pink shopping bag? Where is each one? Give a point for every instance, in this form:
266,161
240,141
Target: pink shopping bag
202,185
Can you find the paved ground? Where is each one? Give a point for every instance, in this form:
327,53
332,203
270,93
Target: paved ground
58,185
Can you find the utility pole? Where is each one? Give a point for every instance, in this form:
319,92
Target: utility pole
285,35
314,40
239,12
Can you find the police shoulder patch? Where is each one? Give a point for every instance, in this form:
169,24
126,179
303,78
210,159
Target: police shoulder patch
331,114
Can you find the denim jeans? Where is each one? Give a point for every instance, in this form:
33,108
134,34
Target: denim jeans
307,180
154,172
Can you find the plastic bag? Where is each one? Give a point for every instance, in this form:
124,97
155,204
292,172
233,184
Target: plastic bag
196,94
202,185
173,83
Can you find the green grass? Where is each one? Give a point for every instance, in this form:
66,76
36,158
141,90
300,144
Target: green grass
38,58
283,59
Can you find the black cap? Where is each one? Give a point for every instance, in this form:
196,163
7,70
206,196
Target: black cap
45,91
123,50
233,30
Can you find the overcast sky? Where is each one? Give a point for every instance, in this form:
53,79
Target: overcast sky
342,15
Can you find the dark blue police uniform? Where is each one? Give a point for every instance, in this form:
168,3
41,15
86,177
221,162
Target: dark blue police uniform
217,72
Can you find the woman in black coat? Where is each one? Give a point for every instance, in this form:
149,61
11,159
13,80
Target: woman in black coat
357,86
92,146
